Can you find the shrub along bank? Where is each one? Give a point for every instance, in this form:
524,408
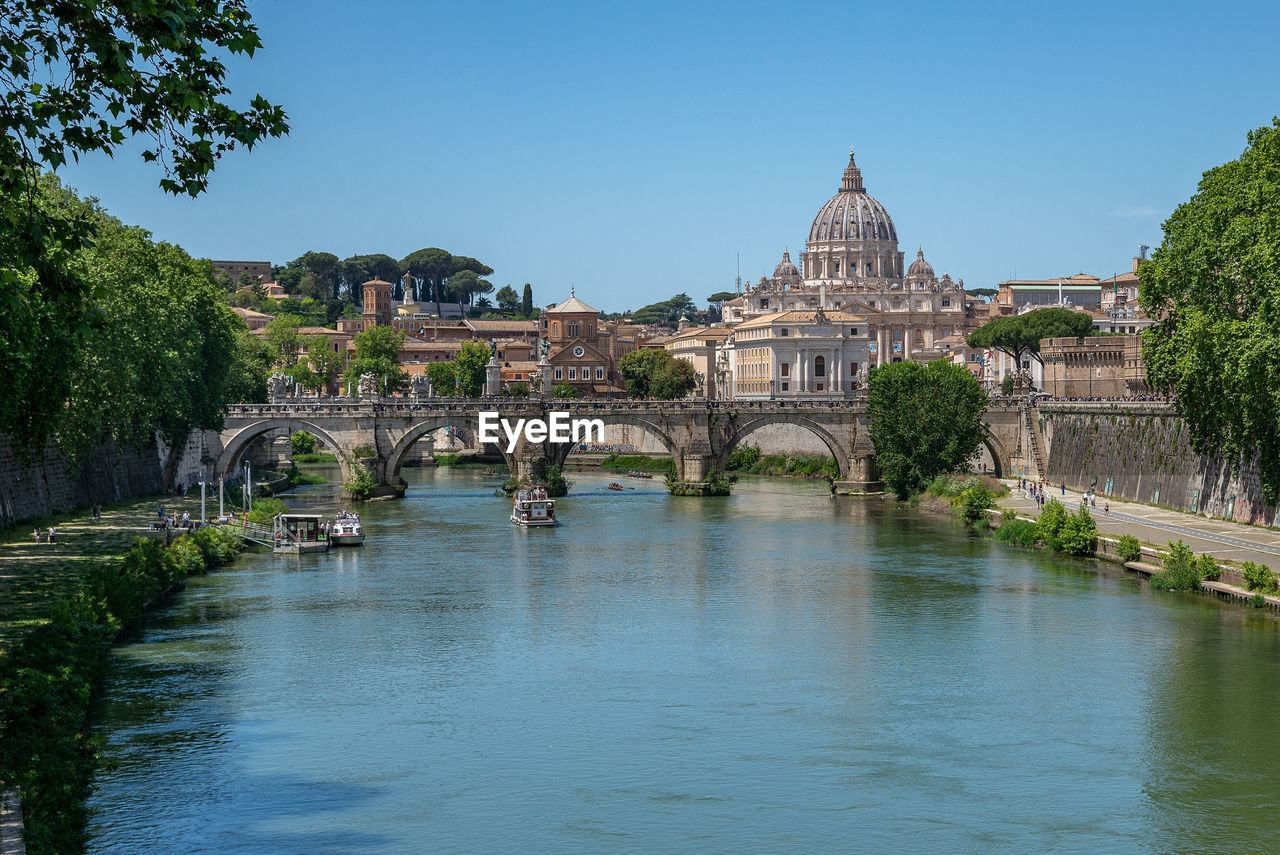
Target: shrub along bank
49,680
748,460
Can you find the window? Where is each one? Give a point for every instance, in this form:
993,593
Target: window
573,373
764,303
819,368
946,301
555,330
572,327
820,387
599,373
786,386
786,369
784,331
853,369
853,331
559,373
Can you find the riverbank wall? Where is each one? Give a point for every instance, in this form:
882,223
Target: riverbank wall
47,484
1144,454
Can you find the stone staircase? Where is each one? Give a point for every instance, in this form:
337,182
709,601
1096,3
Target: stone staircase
1038,458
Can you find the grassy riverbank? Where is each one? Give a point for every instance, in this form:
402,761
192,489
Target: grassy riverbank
748,460
52,671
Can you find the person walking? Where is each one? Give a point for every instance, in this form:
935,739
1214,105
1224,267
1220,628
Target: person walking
1064,488
36,534
1106,509
53,533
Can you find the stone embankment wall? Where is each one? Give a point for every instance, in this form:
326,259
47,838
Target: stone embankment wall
1145,455
30,489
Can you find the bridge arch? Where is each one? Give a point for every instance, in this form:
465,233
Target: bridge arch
420,429
999,457
560,453
236,446
838,450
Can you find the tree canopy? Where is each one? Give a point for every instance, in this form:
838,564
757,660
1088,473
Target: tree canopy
378,353
1019,334
81,78
665,313
926,420
654,373
1215,282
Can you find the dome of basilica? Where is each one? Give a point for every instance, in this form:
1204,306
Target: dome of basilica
785,268
852,214
920,267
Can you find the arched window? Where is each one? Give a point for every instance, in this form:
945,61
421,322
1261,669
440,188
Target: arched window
555,330
819,366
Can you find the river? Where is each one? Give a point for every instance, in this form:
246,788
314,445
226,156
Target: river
779,671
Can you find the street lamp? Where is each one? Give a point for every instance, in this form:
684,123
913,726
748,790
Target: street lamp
771,383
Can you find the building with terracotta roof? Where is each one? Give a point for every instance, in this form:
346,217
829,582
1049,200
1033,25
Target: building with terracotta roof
254,320
800,354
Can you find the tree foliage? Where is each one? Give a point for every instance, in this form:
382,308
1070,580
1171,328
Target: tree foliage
282,336
654,373
526,300
665,313
1215,282
83,78
1021,334
925,420
508,299
378,353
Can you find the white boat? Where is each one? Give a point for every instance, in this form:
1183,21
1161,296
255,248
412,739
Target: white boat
532,507
346,530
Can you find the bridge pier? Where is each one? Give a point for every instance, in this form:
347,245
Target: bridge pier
863,476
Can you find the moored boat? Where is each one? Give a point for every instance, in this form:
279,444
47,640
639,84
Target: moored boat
346,530
532,507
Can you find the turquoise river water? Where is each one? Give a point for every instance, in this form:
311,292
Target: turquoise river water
779,671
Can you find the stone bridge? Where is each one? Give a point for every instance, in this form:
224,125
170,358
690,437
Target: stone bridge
699,435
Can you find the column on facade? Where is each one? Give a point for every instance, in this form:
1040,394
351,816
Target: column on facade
882,344
928,336
834,383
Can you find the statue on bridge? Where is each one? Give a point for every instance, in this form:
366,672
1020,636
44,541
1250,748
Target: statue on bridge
368,386
420,387
278,388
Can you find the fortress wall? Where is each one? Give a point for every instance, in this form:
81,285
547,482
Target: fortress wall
30,489
1147,457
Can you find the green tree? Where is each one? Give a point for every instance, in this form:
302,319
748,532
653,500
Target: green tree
925,420
565,390
526,301
673,380
433,266
378,353
303,442
465,285
507,298
322,362
282,336
250,368
638,369
469,367
79,78
444,377
1215,282
1017,335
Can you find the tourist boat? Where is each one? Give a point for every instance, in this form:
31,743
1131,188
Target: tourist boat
634,474
615,486
295,534
346,530
489,472
533,507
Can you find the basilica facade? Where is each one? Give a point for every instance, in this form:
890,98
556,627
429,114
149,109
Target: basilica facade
852,264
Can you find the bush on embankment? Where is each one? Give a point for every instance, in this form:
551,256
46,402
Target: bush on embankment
748,460
637,463
48,681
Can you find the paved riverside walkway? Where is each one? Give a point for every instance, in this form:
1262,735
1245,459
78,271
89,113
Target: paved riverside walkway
32,575
1225,540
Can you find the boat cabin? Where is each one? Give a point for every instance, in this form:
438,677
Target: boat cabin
297,533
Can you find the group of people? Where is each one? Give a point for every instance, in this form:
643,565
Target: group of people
50,535
173,520
1037,491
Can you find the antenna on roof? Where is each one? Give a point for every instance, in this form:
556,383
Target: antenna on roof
738,279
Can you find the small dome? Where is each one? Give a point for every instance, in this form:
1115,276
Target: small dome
785,268
920,267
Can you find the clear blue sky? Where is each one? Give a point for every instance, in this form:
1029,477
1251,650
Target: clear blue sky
633,150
